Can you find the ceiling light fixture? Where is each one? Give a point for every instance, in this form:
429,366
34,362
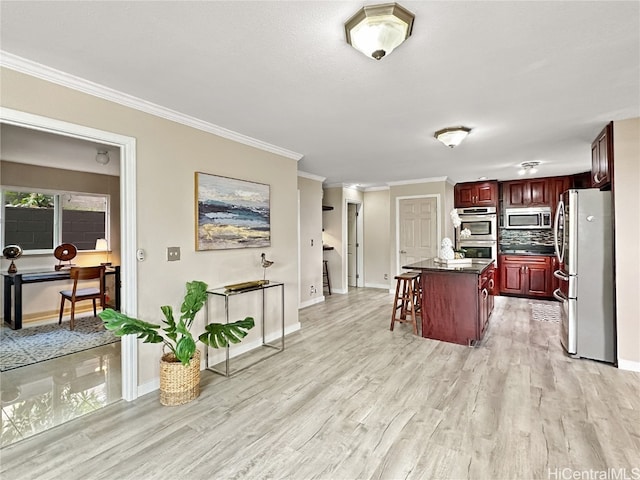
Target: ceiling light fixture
528,167
452,136
102,157
376,30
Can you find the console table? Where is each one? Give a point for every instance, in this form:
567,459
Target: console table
226,294
16,280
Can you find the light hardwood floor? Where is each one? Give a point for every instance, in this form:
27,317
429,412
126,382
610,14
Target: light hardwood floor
348,399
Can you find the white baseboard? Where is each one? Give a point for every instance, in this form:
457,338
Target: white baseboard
313,301
148,387
628,365
384,286
341,291
154,384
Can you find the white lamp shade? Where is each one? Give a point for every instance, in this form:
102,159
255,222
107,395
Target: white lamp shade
102,245
377,30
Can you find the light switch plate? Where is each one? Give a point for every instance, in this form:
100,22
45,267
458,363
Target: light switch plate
173,254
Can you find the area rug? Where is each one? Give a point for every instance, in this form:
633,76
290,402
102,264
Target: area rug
27,346
545,312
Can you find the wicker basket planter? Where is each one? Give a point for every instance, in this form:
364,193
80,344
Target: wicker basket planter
179,384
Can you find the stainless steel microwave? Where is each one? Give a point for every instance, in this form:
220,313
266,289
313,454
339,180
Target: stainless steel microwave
523,218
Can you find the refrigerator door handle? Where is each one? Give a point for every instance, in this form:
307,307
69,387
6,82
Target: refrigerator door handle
561,275
556,231
558,295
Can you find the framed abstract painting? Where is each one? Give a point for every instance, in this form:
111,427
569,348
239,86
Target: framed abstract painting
231,213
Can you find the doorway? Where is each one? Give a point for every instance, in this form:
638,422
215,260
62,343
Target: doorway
127,146
354,245
417,229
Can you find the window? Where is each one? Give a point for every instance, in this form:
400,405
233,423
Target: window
39,220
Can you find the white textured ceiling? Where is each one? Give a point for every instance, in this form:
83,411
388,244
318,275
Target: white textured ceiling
534,80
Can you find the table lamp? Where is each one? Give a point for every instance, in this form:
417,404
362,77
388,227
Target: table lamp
103,246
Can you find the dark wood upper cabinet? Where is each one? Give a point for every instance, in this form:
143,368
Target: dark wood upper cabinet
476,194
527,193
602,159
582,180
557,185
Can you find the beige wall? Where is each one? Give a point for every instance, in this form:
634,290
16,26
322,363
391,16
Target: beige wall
626,148
167,156
42,300
310,192
376,238
441,188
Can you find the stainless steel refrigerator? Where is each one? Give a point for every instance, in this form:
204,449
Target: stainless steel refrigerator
583,234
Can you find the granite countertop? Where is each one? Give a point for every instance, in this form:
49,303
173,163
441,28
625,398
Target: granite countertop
477,266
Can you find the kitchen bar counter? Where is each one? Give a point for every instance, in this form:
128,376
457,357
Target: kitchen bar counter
456,300
477,266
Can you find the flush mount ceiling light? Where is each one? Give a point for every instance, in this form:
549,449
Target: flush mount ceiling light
452,136
377,29
102,157
528,167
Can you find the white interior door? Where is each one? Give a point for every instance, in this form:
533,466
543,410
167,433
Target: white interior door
417,229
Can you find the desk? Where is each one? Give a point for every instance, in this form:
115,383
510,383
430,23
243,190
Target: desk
18,279
227,294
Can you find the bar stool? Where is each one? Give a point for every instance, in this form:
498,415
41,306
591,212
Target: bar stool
408,299
325,275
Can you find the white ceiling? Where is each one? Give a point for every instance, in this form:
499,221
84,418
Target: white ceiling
34,147
534,80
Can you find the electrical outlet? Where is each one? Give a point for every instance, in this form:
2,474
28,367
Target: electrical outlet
312,290
386,276
173,254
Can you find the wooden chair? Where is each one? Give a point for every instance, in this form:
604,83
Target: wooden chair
79,294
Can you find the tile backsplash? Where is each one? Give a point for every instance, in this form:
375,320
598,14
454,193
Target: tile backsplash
525,237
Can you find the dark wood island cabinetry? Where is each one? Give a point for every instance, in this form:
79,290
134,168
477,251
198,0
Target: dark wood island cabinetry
456,300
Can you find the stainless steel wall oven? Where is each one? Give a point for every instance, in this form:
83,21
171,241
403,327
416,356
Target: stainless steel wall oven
482,223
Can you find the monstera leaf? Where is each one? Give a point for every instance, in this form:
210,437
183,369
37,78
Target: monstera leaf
177,335
220,335
120,324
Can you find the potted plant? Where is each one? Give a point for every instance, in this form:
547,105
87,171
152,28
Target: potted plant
180,366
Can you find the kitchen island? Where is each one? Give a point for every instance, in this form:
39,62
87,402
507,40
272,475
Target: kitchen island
457,300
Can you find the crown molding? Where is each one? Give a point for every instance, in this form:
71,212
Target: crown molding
348,185
311,176
34,69
377,189
419,180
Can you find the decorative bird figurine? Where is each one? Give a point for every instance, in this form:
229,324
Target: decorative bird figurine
265,264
